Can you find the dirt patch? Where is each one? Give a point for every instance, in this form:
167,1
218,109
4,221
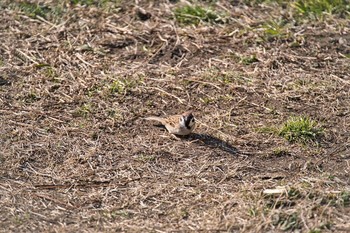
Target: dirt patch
76,155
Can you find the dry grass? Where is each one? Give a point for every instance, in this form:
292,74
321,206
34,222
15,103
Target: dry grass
77,79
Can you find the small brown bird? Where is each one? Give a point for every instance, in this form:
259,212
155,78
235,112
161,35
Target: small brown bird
182,124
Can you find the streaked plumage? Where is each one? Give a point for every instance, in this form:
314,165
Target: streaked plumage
182,124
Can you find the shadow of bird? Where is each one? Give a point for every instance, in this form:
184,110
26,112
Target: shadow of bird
206,139
213,142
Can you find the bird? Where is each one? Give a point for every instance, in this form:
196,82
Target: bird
182,124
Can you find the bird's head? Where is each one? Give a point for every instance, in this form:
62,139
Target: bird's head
187,119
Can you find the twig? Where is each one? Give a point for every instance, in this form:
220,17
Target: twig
203,82
167,93
26,56
55,201
340,79
82,60
31,169
45,21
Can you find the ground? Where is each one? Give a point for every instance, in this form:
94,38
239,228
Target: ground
78,77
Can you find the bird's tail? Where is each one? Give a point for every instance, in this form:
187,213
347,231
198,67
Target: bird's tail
154,118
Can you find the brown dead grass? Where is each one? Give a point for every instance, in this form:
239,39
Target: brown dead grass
77,156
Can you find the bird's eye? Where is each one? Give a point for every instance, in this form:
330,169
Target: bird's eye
192,120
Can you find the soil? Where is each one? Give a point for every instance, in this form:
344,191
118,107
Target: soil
77,156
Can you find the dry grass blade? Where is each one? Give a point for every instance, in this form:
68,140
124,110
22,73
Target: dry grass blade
76,78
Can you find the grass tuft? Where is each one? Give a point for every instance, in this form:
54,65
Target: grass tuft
83,111
121,86
345,198
98,3
254,2
249,60
196,14
34,9
31,97
317,8
107,5
83,2
275,30
287,222
300,129
279,152
227,77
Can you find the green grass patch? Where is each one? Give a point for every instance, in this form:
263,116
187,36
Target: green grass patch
121,86
207,100
279,152
92,2
249,60
48,11
345,199
295,129
225,77
31,97
287,222
83,111
341,199
274,30
244,59
197,14
253,211
294,193
318,8
300,129
115,114
347,55
146,158
34,9
106,5
253,2
93,90
47,70
314,9
83,2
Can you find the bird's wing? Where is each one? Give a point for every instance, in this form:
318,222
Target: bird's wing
173,121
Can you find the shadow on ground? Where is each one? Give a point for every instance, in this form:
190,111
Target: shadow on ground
213,142
208,140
